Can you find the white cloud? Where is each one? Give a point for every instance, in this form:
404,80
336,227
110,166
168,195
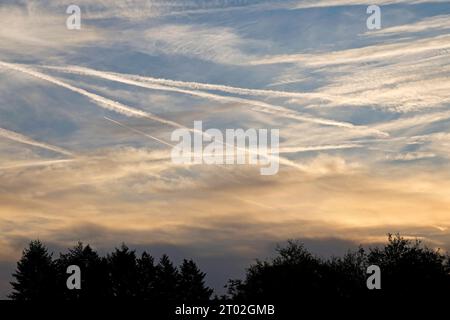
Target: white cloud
36,33
409,156
436,23
217,44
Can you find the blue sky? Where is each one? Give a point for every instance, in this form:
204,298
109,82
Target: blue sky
363,114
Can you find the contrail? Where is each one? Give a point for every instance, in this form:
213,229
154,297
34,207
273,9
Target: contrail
140,132
318,148
26,140
415,120
99,100
113,105
35,164
195,85
258,105
132,112
281,159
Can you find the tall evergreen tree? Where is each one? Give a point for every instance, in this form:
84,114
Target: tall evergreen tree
94,273
147,275
166,282
123,273
35,275
192,283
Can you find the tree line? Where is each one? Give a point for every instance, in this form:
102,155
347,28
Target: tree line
121,274
408,269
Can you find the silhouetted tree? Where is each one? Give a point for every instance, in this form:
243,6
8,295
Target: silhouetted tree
35,275
167,279
123,273
94,273
294,273
120,275
410,268
346,277
147,276
192,283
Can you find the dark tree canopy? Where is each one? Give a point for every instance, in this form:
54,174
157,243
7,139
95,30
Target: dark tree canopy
408,270
121,274
412,268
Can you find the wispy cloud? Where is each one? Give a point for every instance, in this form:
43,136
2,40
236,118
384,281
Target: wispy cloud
410,156
143,9
195,42
364,54
436,23
38,32
304,4
406,76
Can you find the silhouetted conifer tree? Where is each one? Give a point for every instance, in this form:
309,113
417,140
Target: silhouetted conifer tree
166,282
192,283
94,274
35,275
147,276
123,273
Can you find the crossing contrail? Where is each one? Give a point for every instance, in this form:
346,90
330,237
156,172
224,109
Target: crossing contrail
260,106
195,85
99,100
132,112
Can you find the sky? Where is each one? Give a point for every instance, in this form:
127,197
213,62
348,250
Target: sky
363,117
